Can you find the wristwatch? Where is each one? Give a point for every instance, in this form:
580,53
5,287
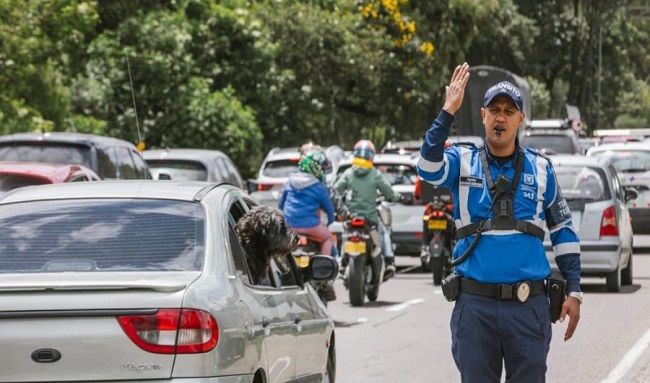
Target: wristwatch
577,295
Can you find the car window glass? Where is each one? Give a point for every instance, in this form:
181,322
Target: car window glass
238,257
42,151
141,168
102,235
280,168
222,168
125,164
627,161
183,170
397,174
106,163
234,173
283,269
551,144
80,179
618,189
582,183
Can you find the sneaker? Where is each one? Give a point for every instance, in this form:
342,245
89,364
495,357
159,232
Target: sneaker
390,270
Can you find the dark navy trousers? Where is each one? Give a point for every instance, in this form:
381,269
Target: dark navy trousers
487,334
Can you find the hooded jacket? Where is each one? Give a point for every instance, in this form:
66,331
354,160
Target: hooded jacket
303,195
360,187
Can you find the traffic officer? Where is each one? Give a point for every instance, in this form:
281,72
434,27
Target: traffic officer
503,195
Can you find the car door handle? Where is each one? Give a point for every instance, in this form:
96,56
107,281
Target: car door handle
297,319
265,322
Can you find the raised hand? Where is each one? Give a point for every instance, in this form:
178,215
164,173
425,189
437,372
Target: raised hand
455,91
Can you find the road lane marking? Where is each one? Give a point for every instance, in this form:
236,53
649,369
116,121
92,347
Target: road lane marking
406,304
629,359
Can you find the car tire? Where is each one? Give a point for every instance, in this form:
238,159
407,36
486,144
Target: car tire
614,280
626,274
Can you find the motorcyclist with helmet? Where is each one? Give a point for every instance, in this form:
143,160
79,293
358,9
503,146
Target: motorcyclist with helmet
360,185
304,194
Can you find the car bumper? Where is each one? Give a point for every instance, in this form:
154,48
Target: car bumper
596,257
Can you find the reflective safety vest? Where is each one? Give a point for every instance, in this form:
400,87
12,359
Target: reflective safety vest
502,193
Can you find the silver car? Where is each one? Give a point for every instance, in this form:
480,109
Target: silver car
600,216
632,163
193,165
146,281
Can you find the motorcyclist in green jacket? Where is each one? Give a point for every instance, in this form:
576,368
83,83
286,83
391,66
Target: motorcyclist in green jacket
360,186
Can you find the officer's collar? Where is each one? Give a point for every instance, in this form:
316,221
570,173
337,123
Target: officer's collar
512,158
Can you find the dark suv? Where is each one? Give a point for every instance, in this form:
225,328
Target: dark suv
551,137
110,158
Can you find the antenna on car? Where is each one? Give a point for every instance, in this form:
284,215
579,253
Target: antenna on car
141,144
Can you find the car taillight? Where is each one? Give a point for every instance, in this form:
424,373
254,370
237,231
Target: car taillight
608,225
169,331
264,187
358,222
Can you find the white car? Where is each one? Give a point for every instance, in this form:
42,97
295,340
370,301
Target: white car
401,172
600,217
632,163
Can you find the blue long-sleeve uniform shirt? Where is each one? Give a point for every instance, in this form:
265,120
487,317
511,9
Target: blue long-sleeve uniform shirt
502,256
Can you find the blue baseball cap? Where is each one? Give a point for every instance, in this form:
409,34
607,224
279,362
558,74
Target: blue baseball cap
504,88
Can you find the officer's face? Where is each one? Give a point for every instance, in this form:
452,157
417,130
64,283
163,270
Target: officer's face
501,120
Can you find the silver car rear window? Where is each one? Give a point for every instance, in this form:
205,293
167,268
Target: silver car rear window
54,152
583,183
178,170
280,168
101,235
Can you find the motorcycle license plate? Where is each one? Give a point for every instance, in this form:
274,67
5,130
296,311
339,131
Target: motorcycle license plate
440,224
354,247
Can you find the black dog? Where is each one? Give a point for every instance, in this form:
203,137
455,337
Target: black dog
263,233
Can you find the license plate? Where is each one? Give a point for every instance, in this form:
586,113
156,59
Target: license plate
354,247
440,224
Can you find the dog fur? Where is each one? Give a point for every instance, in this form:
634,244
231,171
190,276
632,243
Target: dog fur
264,233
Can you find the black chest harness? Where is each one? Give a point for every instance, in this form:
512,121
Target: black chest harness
502,203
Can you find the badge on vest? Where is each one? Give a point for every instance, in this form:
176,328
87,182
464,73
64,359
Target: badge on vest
523,291
474,182
529,179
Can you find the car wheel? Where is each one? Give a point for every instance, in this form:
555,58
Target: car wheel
614,280
626,274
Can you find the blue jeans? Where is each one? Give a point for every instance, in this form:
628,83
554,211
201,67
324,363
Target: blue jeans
386,244
487,333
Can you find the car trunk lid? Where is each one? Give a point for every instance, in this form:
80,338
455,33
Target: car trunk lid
64,327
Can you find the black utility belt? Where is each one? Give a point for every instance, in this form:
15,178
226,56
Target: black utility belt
519,291
519,225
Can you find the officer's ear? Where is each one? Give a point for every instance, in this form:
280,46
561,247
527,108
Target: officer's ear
483,115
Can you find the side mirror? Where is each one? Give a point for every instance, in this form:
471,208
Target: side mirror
321,268
164,176
630,194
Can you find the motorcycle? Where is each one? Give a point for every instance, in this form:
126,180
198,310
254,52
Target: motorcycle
439,232
308,247
361,250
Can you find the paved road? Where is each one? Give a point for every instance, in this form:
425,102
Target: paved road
404,336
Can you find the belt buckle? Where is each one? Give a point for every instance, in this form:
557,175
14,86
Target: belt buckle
505,291
523,291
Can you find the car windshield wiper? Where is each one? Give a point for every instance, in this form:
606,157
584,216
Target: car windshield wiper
633,170
580,199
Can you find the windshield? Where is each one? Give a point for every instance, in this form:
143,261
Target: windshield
280,168
552,143
101,235
52,152
178,170
582,183
627,161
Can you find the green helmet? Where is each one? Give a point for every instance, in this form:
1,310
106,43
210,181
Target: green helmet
312,162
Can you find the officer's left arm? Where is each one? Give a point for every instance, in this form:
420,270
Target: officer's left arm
566,246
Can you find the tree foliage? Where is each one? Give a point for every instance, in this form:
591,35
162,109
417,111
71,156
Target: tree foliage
243,76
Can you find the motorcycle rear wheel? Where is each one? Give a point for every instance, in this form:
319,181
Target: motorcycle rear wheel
357,280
